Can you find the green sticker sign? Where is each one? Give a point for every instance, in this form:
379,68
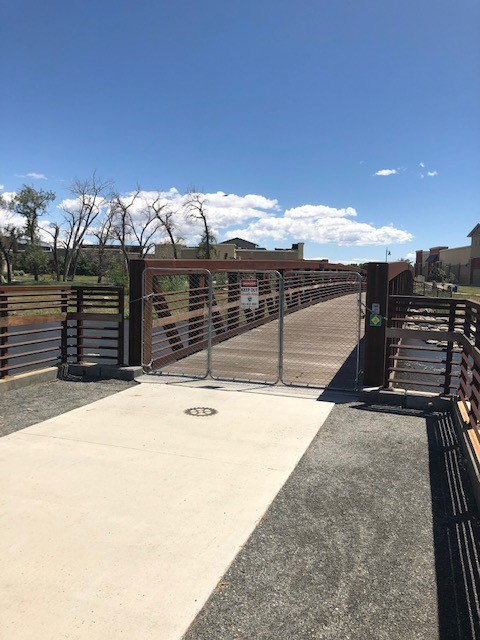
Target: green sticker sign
375,320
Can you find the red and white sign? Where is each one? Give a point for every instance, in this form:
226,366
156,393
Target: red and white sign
249,294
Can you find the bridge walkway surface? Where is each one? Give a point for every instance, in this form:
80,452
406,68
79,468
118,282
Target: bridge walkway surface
319,348
280,516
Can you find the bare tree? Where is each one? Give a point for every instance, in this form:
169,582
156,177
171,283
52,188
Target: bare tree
121,213
135,222
166,215
54,230
195,209
104,234
89,196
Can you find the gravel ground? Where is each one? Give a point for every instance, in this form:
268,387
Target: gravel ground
23,407
365,540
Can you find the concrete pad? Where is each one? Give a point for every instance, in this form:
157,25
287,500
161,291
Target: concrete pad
120,517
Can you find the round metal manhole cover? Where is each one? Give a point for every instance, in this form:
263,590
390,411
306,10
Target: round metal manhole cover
201,412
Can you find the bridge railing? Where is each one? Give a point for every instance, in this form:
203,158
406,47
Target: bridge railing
42,326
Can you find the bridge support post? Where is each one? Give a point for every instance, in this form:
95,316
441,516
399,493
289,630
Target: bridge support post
136,269
375,336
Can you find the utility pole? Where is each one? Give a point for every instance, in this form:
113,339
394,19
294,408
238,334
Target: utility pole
387,253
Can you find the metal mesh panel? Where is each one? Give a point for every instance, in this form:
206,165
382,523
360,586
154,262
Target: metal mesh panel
321,329
245,341
302,328
176,321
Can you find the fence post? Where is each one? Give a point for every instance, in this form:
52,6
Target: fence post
136,268
3,336
121,327
65,298
79,354
375,336
449,354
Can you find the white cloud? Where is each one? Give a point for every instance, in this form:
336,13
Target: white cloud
432,173
224,210
410,256
2,187
385,172
37,176
256,218
422,164
322,225
354,261
6,216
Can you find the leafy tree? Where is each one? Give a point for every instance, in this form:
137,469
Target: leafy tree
32,203
35,260
205,248
437,274
85,265
117,273
9,235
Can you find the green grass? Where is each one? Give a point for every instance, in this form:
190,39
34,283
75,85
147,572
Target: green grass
47,280
468,292
43,280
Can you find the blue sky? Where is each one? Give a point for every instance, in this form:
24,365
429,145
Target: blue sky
298,102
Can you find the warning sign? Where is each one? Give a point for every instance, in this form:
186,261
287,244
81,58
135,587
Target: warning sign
249,294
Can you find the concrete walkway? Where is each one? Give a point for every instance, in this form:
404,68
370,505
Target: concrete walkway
127,518
120,517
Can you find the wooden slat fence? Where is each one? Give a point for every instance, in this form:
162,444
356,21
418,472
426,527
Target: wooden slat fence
50,325
433,345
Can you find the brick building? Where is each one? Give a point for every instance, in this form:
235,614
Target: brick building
463,262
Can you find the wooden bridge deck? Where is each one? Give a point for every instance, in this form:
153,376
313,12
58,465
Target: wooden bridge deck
319,349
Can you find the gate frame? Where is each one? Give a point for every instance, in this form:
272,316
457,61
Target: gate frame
144,300
281,281
356,276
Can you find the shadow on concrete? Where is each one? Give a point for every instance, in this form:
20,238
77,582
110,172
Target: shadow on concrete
456,533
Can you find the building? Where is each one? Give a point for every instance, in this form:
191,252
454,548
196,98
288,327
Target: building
463,262
233,249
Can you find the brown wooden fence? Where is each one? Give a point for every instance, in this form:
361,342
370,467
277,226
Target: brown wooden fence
51,325
427,344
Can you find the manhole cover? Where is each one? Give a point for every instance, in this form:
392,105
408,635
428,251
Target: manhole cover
201,412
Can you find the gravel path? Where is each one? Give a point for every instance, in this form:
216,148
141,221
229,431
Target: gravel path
23,407
374,535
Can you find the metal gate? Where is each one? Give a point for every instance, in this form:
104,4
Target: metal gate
300,328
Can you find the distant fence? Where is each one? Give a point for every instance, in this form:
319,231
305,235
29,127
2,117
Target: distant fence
51,325
432,289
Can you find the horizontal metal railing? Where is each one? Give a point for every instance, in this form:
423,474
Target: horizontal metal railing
44,326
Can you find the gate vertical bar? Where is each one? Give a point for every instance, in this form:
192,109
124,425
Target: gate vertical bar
210,323
147,318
